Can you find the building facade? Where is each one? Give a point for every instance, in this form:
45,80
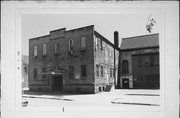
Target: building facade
25,67
78,60
139,62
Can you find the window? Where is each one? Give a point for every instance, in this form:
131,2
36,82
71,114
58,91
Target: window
35,73
114,72
83,71
111,72
125,68
139,60
101,45
43,70
102,71
44,49
35,51
147,60
56,51
71,72
156,60
70,45
151,60
97,43
25,70
111,52
97,70
83,43
106,54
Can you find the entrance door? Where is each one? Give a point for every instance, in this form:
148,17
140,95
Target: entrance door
57,84
125,82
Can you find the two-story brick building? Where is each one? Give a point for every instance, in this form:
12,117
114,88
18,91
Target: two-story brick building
77,60
139,62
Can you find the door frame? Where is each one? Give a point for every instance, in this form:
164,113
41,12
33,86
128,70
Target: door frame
123,79
51,81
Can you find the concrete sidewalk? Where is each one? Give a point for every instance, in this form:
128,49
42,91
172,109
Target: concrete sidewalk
128,97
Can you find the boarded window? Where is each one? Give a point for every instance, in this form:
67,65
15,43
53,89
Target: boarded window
57,48
83,43
44,49
70,45
35,73
71,72
83,71
35,50
125,67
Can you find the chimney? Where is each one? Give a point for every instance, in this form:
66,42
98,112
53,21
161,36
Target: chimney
116,39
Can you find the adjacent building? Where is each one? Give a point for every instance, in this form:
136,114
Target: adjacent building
78,60
25,67
139,62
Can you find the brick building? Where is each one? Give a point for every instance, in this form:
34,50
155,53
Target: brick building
139,62
77,60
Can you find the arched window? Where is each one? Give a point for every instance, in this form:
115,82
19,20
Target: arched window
125,67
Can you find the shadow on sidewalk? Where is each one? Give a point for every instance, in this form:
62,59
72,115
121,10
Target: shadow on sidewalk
55,93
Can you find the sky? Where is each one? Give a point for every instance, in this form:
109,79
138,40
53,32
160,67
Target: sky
128,25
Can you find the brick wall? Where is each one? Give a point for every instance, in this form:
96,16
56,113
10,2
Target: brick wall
63,58
148,75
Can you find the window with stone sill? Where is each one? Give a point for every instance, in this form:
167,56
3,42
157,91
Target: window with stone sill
56,48
35,51
71,47
44,49
83,43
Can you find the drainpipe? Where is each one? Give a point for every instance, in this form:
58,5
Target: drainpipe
116,45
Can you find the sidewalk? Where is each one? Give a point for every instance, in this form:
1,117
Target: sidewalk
128,97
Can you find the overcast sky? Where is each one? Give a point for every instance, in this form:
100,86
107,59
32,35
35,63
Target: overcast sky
127,25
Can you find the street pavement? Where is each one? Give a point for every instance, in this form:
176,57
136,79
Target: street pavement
123,98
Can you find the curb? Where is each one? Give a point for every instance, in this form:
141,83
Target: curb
129,103
47,98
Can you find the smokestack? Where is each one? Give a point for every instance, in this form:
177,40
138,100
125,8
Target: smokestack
116,39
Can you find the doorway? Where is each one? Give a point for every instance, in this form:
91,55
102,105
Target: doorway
125,82
57,83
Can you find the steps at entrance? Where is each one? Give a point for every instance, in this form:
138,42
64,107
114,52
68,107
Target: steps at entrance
109,88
